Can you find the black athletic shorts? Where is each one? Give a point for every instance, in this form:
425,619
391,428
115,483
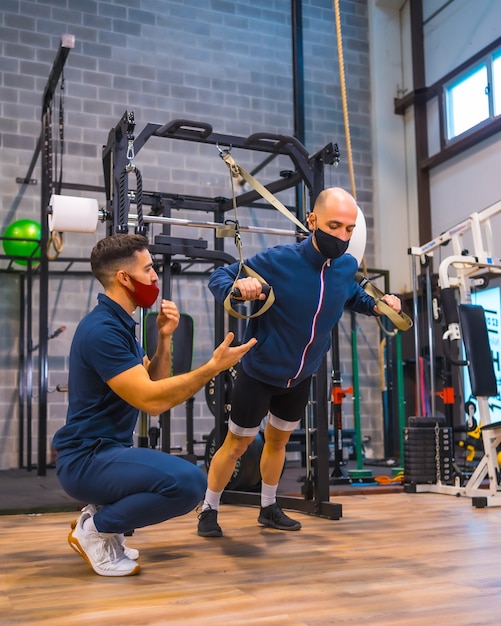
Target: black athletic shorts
252,399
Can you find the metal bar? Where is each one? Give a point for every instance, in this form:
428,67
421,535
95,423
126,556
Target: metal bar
67,42
282,144
339,474
417,346
22,368
400,395
420,119
29,367
356,391
321,436
248,198
431,339
323,508
175,221
298,69
43,311
458,229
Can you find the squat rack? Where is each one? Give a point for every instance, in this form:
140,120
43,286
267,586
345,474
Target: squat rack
307,174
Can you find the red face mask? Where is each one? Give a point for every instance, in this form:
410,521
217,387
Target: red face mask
143,295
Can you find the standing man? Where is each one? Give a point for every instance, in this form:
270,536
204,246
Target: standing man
313,282
110,380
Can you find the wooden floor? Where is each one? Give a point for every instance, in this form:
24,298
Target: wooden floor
406,559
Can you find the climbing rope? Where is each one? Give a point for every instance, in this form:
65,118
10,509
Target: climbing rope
345,103
344,98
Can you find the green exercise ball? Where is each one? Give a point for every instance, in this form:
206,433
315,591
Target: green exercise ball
18,232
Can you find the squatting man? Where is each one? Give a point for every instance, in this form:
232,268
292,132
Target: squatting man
110,380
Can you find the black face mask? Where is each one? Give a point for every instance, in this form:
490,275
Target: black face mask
330,246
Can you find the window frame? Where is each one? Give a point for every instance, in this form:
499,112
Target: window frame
465,141
461,79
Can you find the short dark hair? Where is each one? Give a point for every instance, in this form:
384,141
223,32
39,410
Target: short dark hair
111,252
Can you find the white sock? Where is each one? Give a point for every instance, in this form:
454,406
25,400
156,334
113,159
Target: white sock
211,500
268,494
89,525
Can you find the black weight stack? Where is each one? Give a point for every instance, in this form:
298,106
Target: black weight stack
428,451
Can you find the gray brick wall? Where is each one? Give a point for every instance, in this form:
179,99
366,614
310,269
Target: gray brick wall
221,62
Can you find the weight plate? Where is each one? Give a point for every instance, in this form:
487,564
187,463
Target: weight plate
210,391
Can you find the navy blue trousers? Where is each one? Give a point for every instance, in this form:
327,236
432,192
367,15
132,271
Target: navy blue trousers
134,487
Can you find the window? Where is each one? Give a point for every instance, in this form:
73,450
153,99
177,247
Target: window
496,83
467,102
474,97
463,108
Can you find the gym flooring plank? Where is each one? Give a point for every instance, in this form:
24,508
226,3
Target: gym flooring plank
392,559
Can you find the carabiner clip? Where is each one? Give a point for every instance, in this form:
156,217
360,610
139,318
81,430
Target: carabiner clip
223,153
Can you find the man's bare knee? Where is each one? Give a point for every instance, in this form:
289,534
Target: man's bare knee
276,439
234,446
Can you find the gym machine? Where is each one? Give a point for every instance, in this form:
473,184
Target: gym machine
458,275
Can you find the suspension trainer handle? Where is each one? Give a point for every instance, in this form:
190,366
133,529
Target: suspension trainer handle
264,289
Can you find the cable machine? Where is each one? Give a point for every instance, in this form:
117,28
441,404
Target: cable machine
459,273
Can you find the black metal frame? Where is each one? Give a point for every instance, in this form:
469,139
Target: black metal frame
44,146
27,347
309,171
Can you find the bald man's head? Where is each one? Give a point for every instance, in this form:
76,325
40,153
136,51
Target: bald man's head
333,219
335,199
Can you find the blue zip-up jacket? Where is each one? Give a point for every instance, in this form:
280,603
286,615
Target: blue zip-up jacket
311,293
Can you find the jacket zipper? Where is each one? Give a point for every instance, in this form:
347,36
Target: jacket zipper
313,326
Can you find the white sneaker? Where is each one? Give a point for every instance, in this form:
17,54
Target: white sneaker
102,551
130,553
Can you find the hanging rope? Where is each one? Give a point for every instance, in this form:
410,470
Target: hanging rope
122,204
123,200
344,99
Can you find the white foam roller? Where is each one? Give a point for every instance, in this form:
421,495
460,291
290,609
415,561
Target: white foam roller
70,214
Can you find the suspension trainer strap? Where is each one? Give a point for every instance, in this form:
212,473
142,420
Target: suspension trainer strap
233,230
401,320
244,269
237,170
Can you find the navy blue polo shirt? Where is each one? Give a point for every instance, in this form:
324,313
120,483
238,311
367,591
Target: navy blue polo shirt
104,345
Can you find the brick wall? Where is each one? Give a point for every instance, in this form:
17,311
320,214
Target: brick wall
228,63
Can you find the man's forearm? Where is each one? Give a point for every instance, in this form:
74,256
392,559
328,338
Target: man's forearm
177,389
161,362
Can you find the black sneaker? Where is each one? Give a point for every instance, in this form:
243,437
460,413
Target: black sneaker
207,524
274,517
